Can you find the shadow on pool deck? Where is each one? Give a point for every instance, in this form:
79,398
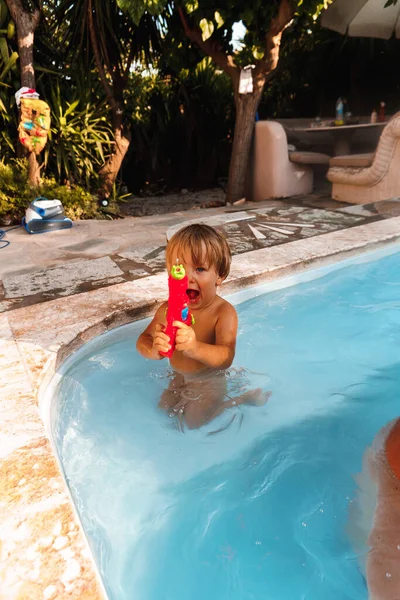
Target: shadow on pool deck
95,254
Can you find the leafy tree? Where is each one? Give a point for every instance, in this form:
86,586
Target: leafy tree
208,26
8,68
101,32
26,16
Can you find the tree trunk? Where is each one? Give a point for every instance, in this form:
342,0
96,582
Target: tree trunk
246,108
111,169
33,170
114,94
26,24
122,140
246,104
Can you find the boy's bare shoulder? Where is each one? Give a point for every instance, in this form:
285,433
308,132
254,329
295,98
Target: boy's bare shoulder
225,308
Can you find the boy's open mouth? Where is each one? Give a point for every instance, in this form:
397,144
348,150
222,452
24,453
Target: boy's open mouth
193,295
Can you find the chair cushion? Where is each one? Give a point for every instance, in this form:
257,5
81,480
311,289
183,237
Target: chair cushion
309,158
352,160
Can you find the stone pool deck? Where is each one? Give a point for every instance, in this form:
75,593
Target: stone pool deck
60,289
98,254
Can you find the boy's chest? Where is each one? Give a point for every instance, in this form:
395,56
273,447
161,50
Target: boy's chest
204,327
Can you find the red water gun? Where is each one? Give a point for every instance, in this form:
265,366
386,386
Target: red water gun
178,309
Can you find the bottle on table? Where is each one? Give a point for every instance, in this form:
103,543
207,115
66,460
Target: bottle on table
382,111
339,112
374,116
347,114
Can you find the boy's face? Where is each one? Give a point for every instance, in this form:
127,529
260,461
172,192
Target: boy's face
203,280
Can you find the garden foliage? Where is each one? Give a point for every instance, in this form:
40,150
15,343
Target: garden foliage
15,194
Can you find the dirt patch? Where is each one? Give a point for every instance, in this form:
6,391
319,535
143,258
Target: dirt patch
136,206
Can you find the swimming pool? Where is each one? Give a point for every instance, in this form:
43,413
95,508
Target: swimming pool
259,509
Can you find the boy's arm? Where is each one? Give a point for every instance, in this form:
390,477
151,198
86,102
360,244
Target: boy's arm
145,343
216,356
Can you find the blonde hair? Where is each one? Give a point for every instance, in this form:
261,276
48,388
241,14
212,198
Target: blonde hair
205,245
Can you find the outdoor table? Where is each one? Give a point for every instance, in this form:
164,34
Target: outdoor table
341,134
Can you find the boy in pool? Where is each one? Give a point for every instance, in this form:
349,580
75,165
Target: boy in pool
198,387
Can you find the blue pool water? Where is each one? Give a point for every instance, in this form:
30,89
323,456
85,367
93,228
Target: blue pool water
258,510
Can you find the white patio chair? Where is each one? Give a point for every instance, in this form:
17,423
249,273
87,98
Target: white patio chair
364,180
275,171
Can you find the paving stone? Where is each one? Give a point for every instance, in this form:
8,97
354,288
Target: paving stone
62,280
323,227
99,245
388,208
140,254
85,245
358,209
214,221
231,228
291,210
139,273
156,264
272,241
265,211
307,233
316,215
240,244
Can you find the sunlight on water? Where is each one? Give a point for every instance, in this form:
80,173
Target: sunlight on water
259,509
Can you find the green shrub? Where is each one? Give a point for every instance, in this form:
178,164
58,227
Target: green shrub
15,195
80,138
77,202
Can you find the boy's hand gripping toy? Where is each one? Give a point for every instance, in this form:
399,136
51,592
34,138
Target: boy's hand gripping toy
178,309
